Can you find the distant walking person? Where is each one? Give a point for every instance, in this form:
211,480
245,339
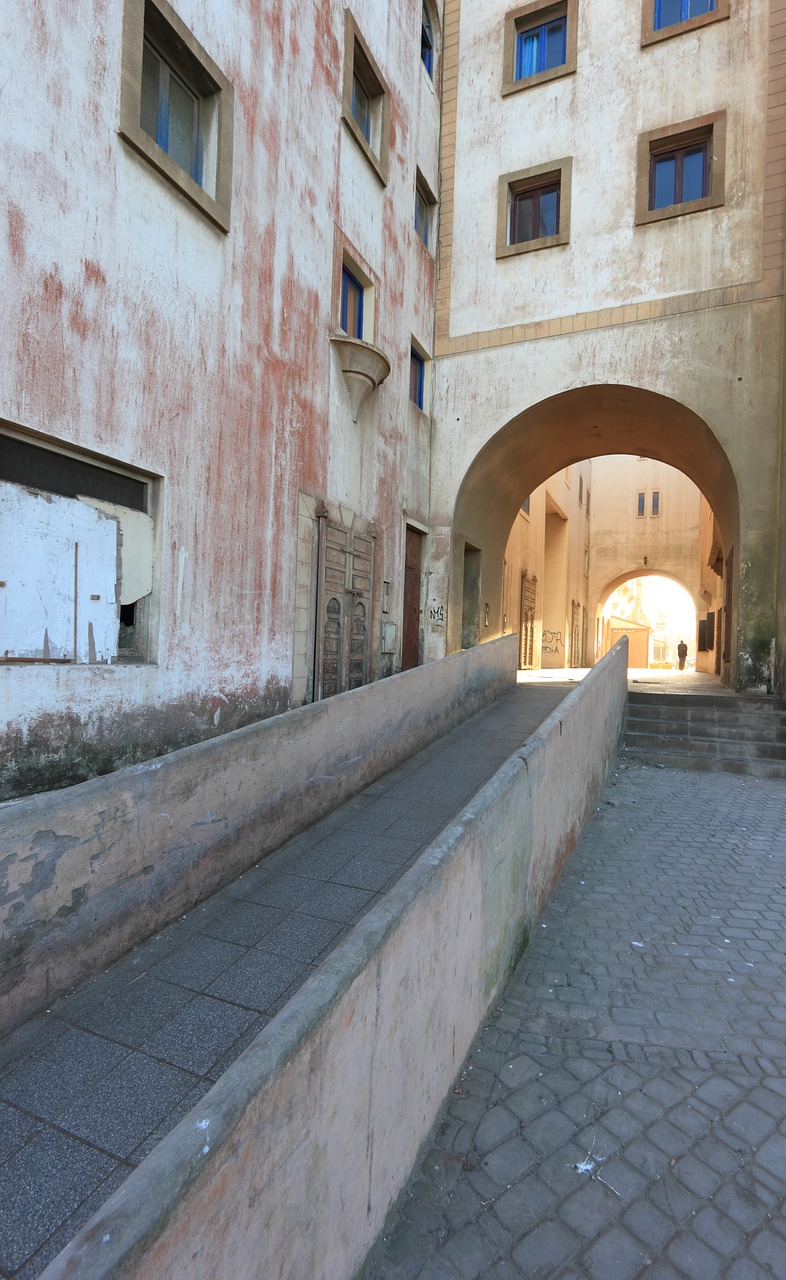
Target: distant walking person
682,653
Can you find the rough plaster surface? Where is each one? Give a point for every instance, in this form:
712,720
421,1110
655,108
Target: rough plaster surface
89,871
137,331
289,1165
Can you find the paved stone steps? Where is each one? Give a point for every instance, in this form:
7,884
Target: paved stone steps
710,733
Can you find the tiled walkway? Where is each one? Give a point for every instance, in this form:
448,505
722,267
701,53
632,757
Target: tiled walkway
87,1089
623,1111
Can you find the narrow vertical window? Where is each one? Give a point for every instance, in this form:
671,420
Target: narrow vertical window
640,507
417,367
655,508
351,304
361,108
426,42
421,216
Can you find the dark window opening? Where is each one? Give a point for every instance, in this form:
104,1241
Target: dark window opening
680,174
534,213
655,502
640,504
126,637
41,468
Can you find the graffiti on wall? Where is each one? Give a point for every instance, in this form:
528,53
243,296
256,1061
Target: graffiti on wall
552,642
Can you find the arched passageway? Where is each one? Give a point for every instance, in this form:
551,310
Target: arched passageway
555,433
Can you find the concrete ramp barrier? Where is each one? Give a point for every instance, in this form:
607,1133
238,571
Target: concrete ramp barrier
87,872
288,1167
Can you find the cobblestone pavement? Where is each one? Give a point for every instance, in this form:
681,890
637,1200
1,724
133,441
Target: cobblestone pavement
623,1111
89,1088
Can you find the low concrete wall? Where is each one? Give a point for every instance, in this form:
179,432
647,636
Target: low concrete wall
88,872
289,1165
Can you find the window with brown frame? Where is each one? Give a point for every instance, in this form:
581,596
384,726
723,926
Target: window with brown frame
534,208
681,169
539,44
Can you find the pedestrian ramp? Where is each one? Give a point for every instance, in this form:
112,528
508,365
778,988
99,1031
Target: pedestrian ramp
713,733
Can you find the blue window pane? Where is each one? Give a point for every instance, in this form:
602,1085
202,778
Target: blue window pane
555,44
351,304
668,12
549,216
664,186
540,48
416,378
426,41
693,167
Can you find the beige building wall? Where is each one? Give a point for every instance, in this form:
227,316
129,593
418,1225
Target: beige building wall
545,572
645,520
628,335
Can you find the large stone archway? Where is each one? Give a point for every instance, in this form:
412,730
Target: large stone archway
587,422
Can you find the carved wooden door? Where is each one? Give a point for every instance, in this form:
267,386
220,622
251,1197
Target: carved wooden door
346,562
527,622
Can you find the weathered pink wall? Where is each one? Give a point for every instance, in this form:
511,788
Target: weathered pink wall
136,329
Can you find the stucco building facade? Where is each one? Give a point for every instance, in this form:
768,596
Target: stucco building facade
628,321
210,257
302,303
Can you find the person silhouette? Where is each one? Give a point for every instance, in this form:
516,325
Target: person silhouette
682,653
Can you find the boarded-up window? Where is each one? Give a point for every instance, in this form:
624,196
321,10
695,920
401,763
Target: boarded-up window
68,565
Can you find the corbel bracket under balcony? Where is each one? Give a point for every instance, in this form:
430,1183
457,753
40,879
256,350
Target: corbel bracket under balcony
364,367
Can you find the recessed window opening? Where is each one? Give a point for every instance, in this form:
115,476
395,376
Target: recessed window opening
421,216
534,213
680,174
540,48
417,369
669,12
361,108
170,113
351,304
426,42
655,507
640,503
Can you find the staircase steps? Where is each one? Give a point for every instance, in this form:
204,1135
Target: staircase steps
719,733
